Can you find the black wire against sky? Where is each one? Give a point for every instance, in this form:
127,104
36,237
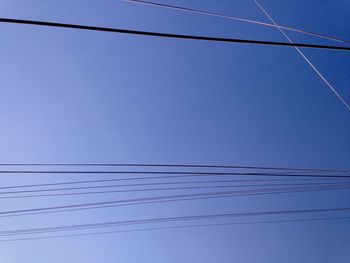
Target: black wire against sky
169,35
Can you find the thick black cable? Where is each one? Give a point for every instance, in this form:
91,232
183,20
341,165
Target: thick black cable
168,35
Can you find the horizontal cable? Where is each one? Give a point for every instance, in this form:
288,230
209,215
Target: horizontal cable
163,165
325,187
170,173
165,183
167,219
335,180
169,35
161,199
176,227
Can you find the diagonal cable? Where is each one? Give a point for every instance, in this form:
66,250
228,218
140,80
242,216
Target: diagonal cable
241,19
330,86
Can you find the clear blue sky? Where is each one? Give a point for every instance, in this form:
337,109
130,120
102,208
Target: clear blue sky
75,96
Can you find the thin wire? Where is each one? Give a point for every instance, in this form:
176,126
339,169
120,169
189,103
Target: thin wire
161,183
334,187
158,199
164,177
178,173
165,220
175,227
197,11
168,35
177,166
256,193
330,86
147,190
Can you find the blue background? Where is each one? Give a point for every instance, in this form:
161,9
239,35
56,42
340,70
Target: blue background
78,96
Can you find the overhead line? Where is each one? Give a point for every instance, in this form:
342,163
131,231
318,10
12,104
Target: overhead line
167,219
174,227
158,177
177,166
246,20
330,86
178,173
321,187
167,183
168,35
160,199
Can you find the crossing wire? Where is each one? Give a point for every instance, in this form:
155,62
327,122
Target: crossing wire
330,86
246,20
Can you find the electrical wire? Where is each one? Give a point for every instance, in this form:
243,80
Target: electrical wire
178,166
166,220
166,177
155,189
178,173
169,35
334,187
246,20
176,227
330,86
160,199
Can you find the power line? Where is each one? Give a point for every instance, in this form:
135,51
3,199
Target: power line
176,227
178,166
165,220
160,183
183,188
168,35
197,11
330,86
160,199
177,173
178,200
321,188
161,177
